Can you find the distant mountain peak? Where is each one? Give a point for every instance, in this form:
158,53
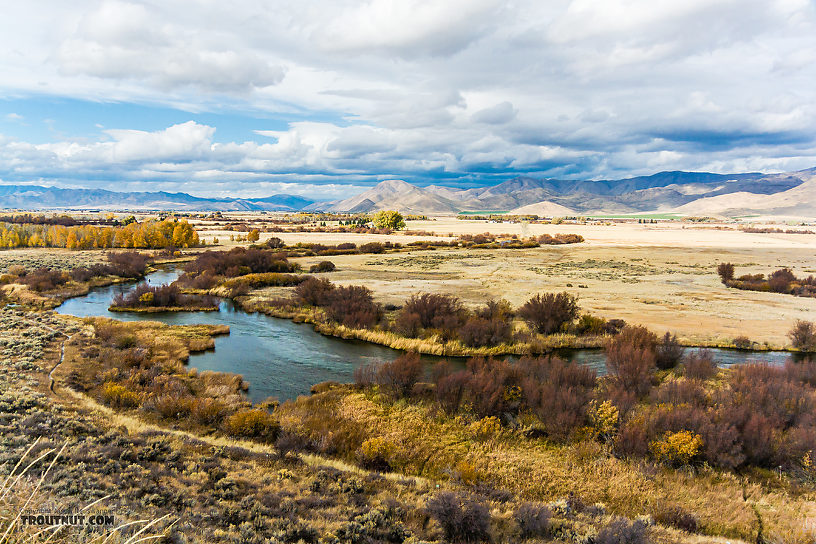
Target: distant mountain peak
394,185
26,197
523,194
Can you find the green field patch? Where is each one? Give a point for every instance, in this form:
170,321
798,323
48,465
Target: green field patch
486,212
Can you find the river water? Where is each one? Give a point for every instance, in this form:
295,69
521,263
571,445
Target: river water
282,359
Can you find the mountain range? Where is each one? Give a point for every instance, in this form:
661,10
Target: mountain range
690,193
28,197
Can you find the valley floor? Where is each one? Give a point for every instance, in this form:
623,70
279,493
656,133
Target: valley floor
662,276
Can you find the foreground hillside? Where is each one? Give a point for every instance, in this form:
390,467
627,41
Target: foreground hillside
202,484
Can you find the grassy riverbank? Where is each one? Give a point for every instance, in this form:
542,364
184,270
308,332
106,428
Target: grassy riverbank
427,346
581,483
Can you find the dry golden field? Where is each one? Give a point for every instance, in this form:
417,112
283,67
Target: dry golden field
659,275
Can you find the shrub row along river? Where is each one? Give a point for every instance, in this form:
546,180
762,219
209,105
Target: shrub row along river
283,359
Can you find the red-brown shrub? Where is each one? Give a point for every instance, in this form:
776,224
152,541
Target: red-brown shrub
478,331
803,335
679,392
400,375
128,264
161,296
408,324
365,375
668,352
623,399
322,266
547,313
44,279
450,390
630,368
635,336
699,365
314,291
802,371
372,247
239,261
434,309
496,309
352,306
726,272
631,440
780,280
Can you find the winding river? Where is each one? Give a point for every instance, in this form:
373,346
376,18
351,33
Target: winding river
283,359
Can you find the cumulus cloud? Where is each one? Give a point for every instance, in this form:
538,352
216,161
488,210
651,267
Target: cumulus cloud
496,115
121,40
407,28
470,90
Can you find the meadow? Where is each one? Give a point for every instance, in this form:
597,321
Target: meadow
538,451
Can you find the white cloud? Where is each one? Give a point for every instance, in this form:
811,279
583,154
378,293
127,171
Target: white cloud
126,41
407,28
459,88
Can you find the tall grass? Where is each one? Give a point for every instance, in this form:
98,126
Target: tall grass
17,498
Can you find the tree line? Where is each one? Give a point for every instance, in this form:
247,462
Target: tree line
147,234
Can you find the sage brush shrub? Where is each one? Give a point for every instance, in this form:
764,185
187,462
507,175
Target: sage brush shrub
677,517
463,520
547,313
533,520
623,531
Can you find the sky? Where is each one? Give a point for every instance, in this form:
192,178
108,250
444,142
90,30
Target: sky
324,98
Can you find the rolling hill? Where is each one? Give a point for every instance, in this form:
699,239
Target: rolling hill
28,197
662,192
693,193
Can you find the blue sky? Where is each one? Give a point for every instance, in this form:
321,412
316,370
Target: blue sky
324,99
